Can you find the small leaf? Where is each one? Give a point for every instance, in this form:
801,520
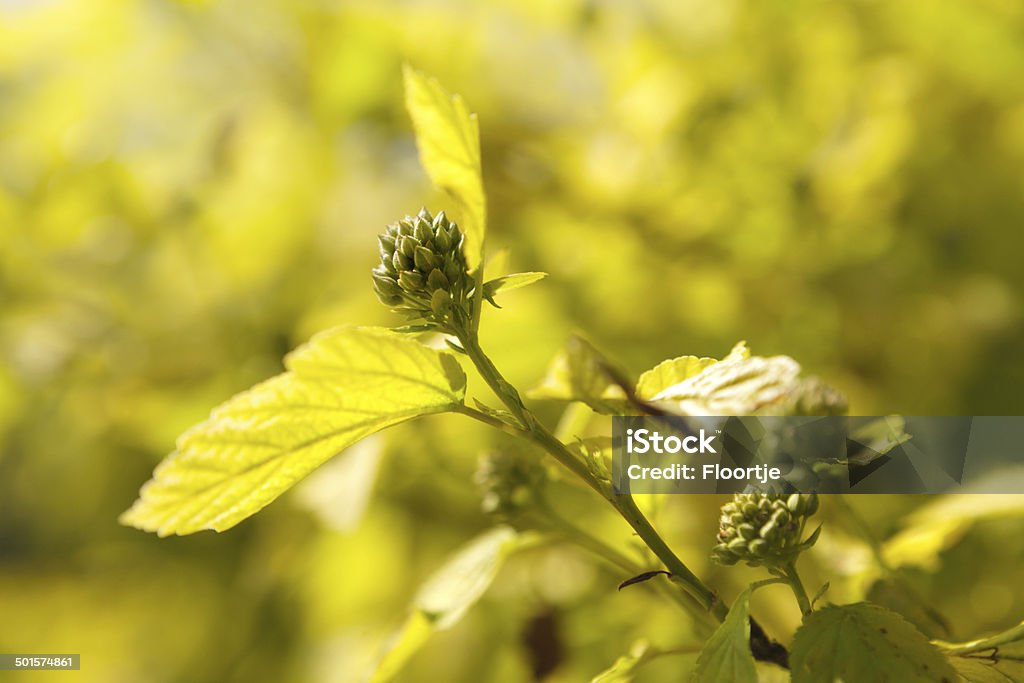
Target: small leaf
640,578
670,372
864,642
726,657
447,595
820,593
448,137
581,373
342,386
507,283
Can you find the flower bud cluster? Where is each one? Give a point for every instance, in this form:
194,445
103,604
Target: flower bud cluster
764,529
422,269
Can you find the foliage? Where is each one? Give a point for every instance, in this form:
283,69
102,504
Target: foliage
188,190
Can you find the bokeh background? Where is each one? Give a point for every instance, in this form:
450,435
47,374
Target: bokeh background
190,189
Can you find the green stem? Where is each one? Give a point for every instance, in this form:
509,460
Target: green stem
490,420
625,504
550,519
793,579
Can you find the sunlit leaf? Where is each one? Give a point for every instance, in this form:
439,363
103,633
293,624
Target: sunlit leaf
447,595
669,373
343,385
582,373
741,384
448,137
726,657
864,642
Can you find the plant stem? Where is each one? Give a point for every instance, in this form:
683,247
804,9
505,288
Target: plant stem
793,579
550,519
490,420
625,504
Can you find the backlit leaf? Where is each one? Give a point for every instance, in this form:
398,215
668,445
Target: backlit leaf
582,373
343,385
448,137
447,595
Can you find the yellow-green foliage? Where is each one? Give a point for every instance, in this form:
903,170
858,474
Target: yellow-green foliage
189,190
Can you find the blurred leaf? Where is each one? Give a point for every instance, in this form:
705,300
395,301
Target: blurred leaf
340,490
879,436
937,525
582,373
448,137
898,594
447,595
726,657
864,642
507,283
343,385
625,666
641,653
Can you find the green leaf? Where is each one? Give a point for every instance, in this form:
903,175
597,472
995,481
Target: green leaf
726,657
582,373
448,137
938,524
739,384
640,654
447,595
864,642
668,373
343,385
997,659
981,669
507,283
625,667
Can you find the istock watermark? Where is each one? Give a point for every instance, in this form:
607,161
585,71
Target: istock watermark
834,454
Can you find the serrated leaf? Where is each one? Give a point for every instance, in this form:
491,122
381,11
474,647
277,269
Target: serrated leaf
726,657
864,642
507,283
345,384
979,669
582,373
669,373
448,137
740,384
447,595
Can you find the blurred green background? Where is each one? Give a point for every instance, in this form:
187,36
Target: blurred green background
189,190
